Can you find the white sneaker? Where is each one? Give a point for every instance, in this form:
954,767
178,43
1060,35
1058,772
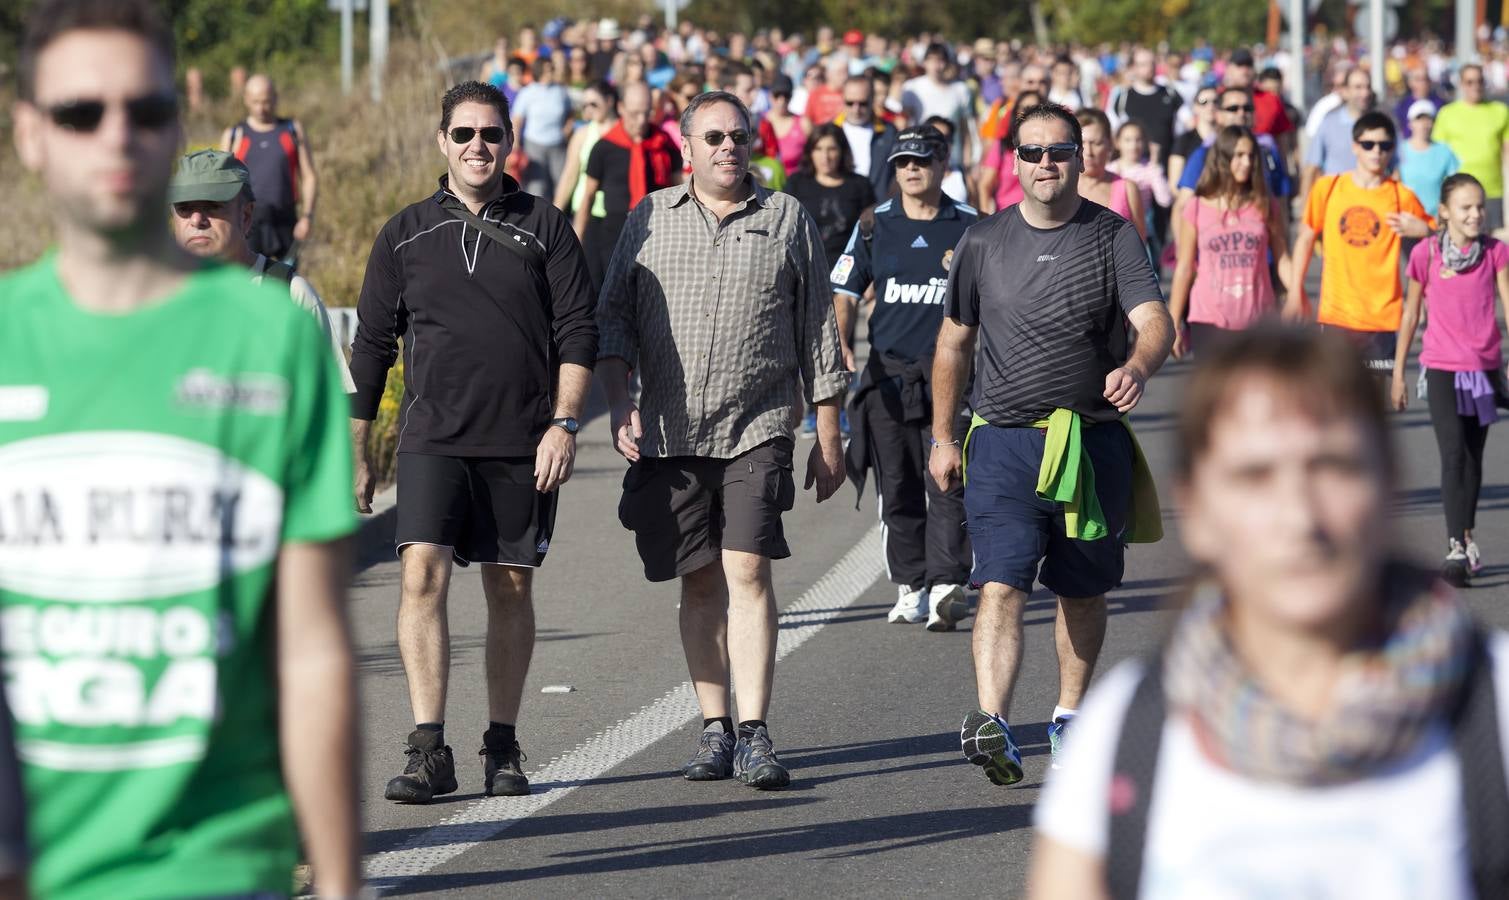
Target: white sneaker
1474,557
910,608
946,606
1455,570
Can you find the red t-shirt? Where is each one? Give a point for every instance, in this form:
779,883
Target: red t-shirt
824,104
1269,116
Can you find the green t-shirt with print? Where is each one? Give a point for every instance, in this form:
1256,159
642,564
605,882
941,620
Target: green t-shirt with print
151,465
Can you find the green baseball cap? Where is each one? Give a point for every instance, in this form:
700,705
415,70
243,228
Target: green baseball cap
212,175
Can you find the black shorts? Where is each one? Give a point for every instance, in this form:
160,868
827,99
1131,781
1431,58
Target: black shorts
485,509
1377,347
685,510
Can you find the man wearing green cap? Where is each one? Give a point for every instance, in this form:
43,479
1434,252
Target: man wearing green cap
212,215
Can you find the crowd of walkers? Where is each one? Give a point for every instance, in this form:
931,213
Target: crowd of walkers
700,223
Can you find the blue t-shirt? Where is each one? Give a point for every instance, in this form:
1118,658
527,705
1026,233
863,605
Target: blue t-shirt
1331,149
1279,183
908,261
544,109
1422,171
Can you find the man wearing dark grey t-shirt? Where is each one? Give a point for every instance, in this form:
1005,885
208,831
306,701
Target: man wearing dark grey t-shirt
1055,287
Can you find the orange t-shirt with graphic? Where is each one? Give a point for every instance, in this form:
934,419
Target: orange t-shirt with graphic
1359,283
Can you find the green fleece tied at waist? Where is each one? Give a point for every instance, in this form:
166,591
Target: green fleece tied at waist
1067,476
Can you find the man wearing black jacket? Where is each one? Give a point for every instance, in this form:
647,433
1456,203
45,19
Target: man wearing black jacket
488,288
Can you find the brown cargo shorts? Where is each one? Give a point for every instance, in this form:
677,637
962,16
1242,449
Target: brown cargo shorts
685,510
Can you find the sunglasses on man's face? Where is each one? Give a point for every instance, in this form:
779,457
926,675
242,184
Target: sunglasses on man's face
491,134
1033,153
1244,108
151,112
857,103
1205,102
1370,146
716,138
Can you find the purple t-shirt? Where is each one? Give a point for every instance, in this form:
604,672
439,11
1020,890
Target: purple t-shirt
1462,332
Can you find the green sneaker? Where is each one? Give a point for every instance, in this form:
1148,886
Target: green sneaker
986,741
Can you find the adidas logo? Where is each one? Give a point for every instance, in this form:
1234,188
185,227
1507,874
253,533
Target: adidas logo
919,244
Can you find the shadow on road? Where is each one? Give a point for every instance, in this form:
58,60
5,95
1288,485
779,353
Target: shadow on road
822,840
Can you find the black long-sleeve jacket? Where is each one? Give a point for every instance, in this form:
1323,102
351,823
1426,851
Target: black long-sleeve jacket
483,331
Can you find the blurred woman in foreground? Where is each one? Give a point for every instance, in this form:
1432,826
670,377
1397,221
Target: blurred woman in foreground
1321,722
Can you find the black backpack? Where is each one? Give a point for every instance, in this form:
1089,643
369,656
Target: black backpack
1475,734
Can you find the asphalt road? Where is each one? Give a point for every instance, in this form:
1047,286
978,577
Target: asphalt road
865,713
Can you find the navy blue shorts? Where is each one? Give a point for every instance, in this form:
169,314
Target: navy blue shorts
1014,532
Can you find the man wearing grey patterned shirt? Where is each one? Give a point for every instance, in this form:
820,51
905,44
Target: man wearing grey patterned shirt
718,296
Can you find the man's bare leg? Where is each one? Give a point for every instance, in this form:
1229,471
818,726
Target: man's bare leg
1079,631
997,646
704,637
510,638
424,637
751,631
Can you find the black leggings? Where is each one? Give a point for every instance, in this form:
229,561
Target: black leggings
1460,440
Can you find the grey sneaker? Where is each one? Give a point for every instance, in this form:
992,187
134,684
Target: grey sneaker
502,775
714,759
430,772
755,762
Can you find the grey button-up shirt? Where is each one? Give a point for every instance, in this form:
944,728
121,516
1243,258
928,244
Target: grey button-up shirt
727,323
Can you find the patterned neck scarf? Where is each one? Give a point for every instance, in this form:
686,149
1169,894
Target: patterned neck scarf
1386,696
1459,259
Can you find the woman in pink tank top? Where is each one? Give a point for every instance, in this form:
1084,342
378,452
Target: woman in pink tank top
1099,184
1222,281
999,186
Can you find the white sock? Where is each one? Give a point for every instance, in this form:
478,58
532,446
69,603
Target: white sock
1063,712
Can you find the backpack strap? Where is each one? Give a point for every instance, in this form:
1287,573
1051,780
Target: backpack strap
278,270
1485,789
518,246
1131,788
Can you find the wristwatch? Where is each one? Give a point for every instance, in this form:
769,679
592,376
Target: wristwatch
567,422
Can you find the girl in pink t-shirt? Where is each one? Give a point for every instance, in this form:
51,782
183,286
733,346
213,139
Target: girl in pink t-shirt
1458,274
1221,281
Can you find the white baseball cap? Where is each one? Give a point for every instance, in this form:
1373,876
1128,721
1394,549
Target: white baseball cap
1421,108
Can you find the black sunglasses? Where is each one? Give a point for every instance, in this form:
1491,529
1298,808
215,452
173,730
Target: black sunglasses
1247,107
715,138
151,112
1206,102
1033,153
463,134
856,103
1370,146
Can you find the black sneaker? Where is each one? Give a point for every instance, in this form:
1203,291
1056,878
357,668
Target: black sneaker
431,770
714,759
501,774
755,762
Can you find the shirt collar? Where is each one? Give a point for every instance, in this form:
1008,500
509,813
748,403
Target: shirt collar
947,209
760,196
445,197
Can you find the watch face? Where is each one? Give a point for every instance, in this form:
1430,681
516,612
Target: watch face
568,423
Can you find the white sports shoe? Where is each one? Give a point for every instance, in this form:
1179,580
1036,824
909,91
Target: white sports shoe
1474,557
910,608
946,606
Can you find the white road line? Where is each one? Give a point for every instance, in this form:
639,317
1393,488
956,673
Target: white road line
483,819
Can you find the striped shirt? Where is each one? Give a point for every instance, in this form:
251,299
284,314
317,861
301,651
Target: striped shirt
729,324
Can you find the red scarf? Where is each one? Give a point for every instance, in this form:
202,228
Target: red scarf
649,160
